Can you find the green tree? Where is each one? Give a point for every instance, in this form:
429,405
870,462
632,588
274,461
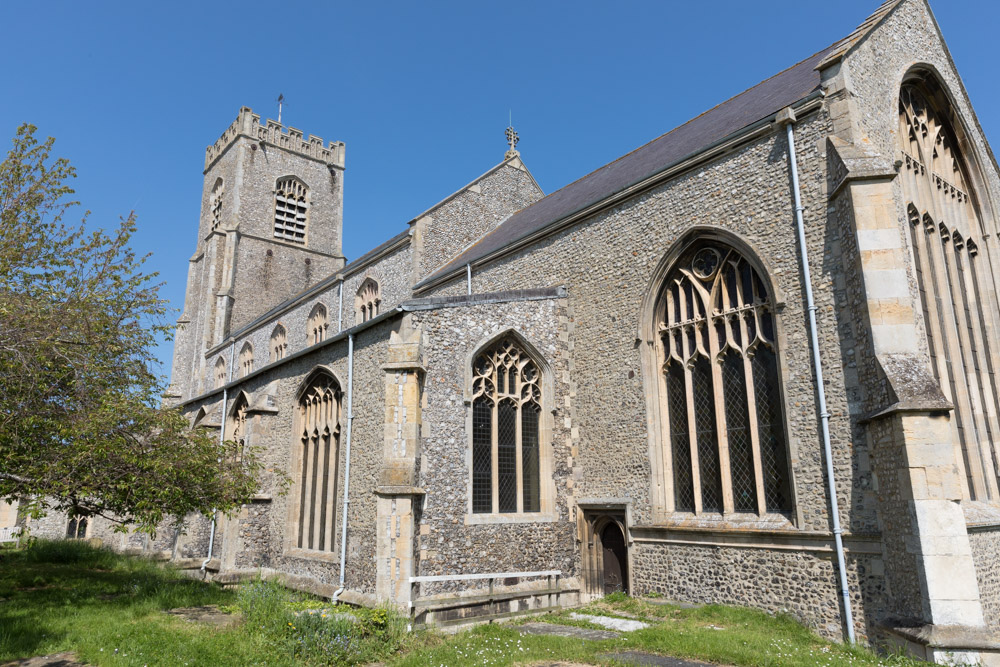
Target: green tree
81,426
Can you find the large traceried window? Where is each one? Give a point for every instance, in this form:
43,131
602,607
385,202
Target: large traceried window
367,301
318,324
725,436
954,277
506,411
290,207
318,447
279,344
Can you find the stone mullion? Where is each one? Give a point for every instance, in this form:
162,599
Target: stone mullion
989,330
333,457
689,398
949,338
665,451
981,353
518,454
758,468
494,445
307,465
722,437
968,385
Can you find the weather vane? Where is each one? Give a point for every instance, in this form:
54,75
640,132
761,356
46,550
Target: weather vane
512,140
281,98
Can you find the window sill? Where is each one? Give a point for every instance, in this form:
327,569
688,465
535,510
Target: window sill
524,517
725,522
308,554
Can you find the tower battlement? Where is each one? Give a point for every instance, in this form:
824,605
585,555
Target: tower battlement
247,124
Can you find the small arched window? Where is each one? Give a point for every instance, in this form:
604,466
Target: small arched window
220,373
279,344
315,463
246,359
290,207
719,385
215,204
367,301
318,323
506,412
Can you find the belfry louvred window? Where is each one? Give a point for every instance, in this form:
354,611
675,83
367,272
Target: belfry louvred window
290,208
726,439
957,291
506,407
317,460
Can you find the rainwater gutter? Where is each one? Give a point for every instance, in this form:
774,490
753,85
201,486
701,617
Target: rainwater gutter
222,439
347,471
788,118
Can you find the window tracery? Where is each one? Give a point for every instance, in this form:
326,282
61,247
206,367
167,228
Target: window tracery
368,300
279,344
954,280
246,359
506,408
318,324
290,208
317,459
215,205
719,381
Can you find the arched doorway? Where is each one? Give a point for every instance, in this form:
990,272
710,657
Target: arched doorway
615,559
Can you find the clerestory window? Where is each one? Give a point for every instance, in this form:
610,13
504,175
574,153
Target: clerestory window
367,301
719,386
290,208
316,462
318,324
279,344
246,359
506,411
220,373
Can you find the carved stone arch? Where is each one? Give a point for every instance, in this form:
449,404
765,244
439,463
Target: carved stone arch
723,371
529,506
199,418
928,78
310,378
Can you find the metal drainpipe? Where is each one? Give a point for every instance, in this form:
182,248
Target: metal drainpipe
340,308
222,439
347,466
468,278
820,391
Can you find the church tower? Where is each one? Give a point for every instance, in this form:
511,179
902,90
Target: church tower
271,226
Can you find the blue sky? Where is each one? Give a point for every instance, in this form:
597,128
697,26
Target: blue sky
133,92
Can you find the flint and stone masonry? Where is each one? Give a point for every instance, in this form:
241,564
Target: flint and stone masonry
564,471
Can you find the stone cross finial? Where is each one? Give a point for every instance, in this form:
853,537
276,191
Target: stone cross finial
512,140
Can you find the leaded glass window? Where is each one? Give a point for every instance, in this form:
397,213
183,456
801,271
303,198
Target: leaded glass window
506,409
367,301
279,344
722,401
317,324
246,359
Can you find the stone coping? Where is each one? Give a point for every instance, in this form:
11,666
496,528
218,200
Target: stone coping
955,637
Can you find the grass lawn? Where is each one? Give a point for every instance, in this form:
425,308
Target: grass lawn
107,608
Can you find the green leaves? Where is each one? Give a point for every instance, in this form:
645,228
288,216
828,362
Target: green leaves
80,424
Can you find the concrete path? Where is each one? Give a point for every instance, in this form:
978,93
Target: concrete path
55,660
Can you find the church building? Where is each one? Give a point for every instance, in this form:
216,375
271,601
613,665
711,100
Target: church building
754,361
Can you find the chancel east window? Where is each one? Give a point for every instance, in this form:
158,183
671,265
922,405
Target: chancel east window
367,301
318,323
279,344
290,207
953,275
719,380
318,444
246,360
506,411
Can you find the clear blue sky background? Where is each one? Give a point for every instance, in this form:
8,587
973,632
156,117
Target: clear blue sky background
419,91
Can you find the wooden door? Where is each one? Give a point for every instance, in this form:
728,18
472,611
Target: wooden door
615,558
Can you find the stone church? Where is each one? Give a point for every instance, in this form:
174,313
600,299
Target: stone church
753,361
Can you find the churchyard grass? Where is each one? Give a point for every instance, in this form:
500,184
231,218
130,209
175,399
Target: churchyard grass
108,609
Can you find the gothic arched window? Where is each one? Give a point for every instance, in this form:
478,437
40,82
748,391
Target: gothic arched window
318,323
719,382
317,449
367,301
236,428
957,293
506,411
215,204
220,373
279,343
290,207
246,359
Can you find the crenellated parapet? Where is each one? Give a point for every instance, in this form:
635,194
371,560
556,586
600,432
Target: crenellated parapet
272,133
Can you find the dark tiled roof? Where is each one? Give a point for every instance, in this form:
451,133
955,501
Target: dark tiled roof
763,100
